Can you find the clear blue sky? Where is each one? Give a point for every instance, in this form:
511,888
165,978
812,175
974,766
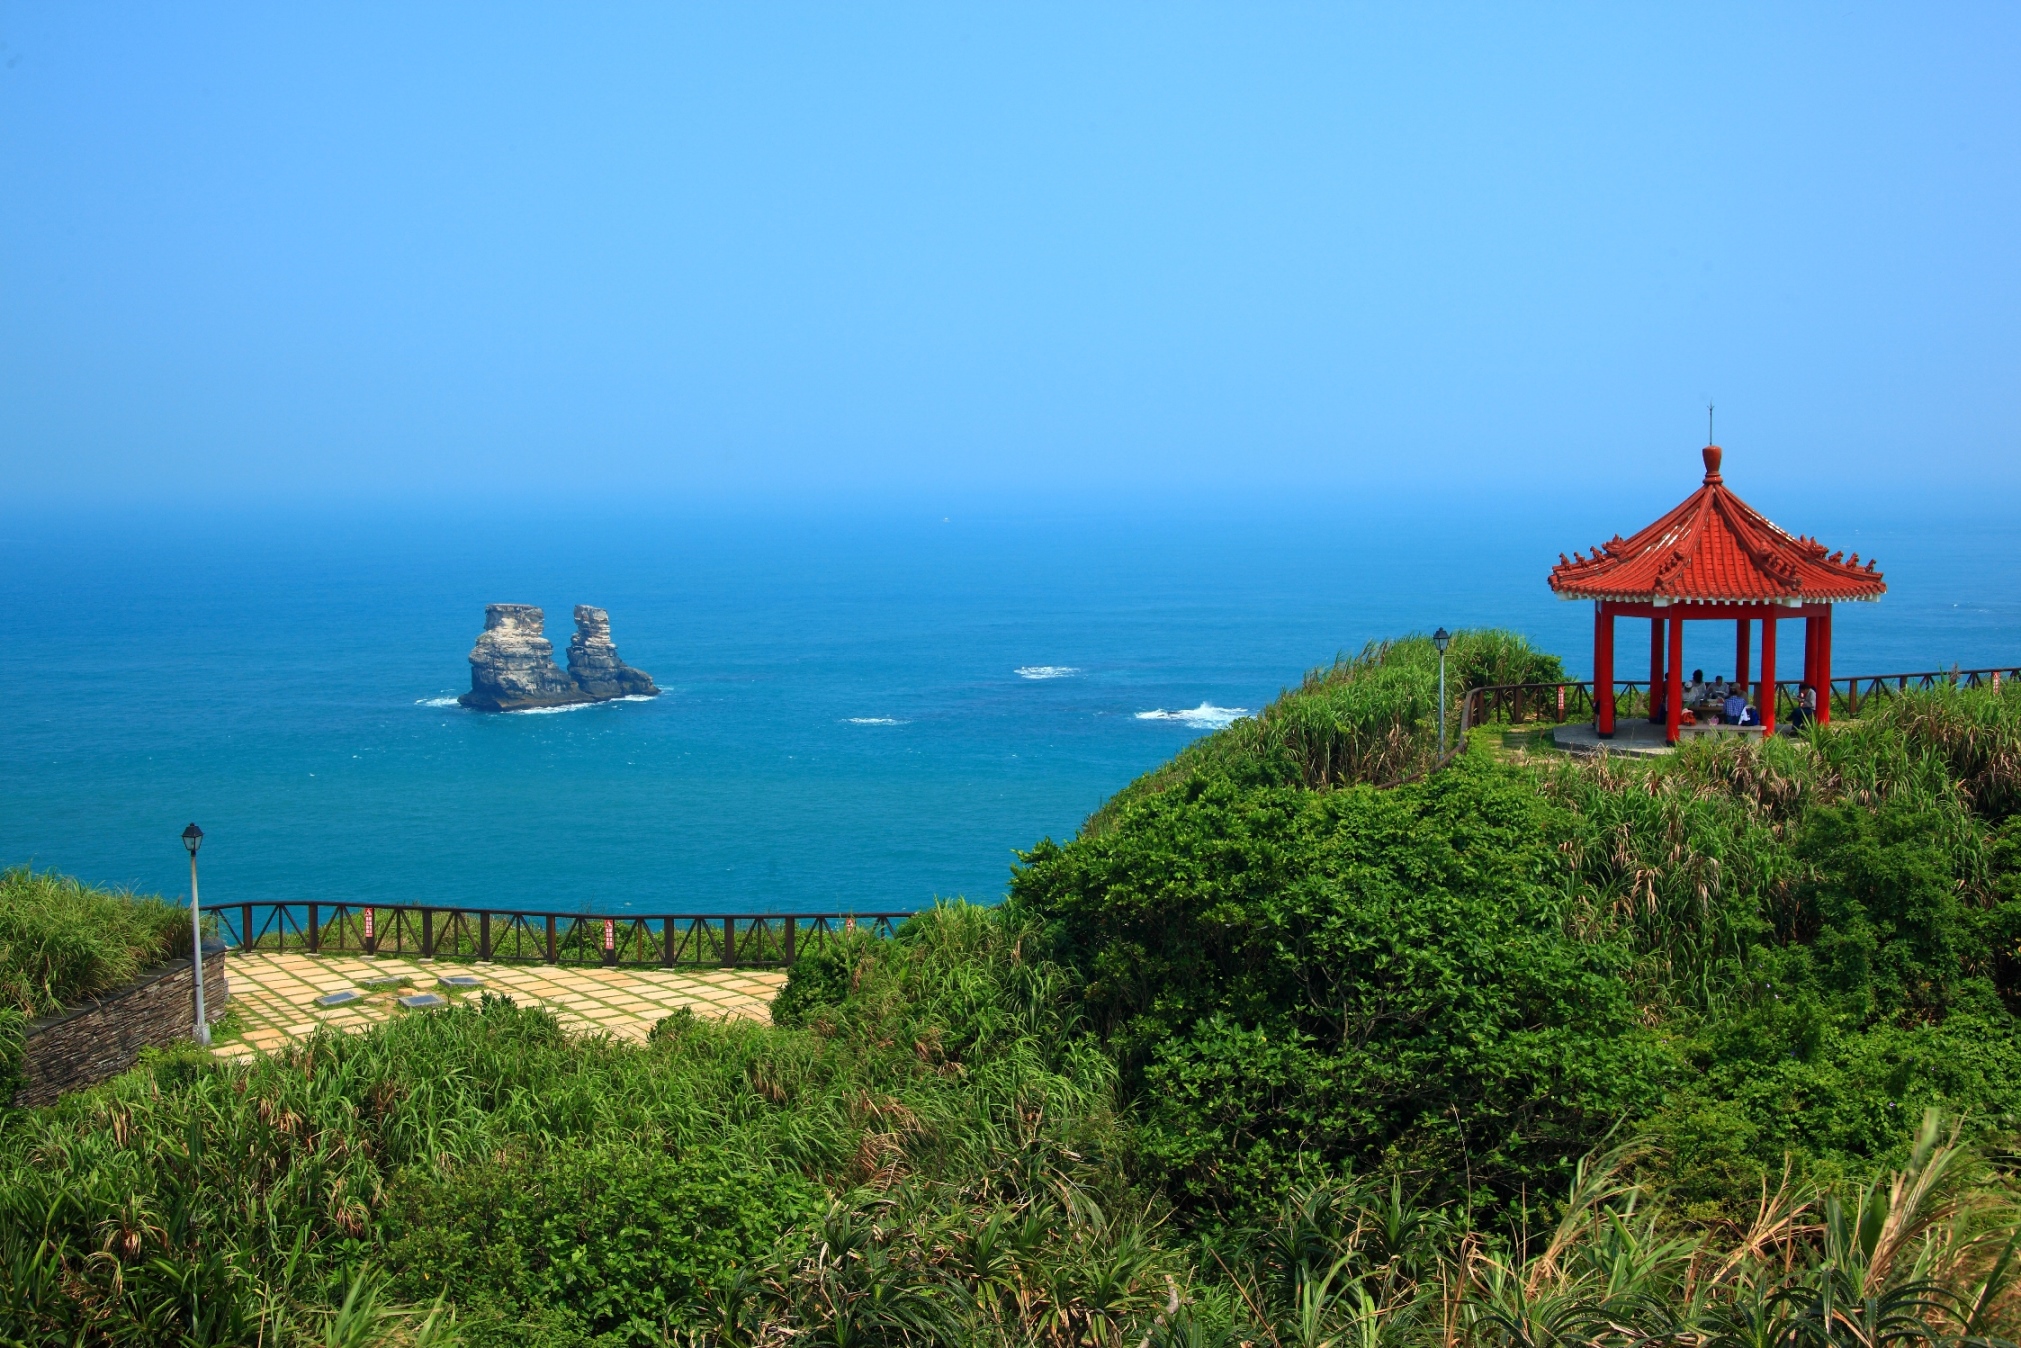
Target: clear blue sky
412,252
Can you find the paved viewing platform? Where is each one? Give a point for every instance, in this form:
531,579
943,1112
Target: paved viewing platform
1637,738
283,998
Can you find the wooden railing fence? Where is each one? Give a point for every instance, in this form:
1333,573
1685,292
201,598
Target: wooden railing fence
455,932
1572,700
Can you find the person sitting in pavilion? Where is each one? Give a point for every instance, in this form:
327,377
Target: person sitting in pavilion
1735,710
1694,691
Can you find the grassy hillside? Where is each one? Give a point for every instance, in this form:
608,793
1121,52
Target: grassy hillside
1372,717
61,941
1715,1050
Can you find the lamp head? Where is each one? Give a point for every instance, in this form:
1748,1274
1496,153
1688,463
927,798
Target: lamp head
1440,639
192,838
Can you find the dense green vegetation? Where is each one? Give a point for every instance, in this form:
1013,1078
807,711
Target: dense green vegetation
61,942
1719,1050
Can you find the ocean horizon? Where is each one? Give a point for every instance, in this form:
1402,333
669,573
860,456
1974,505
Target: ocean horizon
863,710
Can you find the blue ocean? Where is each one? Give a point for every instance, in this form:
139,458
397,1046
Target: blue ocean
864,709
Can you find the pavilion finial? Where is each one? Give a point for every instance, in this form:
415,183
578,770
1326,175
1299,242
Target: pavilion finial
1712,453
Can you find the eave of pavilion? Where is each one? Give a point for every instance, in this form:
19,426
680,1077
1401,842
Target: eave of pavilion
1719,557
1646,605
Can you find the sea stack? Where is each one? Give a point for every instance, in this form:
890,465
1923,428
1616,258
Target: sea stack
594,664
512,666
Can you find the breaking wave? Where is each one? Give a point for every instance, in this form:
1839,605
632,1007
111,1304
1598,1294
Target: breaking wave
578,706
876,720
1206,716
1046,671
449,701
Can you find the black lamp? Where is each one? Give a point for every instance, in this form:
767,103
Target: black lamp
1440,640
192,838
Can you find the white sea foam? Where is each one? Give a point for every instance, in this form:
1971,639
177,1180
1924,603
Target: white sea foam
1046,671
1206,716
449,701
877,720
575,706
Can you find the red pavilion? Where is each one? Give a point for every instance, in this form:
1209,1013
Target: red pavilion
1715,558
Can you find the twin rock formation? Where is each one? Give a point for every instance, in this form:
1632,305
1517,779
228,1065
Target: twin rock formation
512,666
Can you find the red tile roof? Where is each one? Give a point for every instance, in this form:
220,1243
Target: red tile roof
1715,548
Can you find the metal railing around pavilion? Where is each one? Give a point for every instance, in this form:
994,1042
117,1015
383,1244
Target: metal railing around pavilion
459,932
1534,703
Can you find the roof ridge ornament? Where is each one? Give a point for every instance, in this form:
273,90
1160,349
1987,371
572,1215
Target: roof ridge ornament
1712,455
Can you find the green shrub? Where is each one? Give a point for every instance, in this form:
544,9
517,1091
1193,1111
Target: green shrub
1355,979
609,1237
823,977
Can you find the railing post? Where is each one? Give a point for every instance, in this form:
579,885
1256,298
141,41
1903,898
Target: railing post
729,940
792,925
484,936
371,937
610,942
315,932
667,942
245,926
550,939
428,933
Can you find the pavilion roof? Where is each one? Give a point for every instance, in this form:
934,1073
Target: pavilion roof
1715,548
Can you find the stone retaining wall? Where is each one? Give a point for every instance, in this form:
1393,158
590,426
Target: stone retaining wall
86,1044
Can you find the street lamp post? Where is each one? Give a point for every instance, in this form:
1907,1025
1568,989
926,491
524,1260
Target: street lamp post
1440,639
192,838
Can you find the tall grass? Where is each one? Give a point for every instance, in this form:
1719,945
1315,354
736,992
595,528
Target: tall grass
61,941
1695,855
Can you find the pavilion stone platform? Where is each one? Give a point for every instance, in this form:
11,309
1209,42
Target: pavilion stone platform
1637,738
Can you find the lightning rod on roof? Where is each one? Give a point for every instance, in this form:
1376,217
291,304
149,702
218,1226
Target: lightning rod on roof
1709,437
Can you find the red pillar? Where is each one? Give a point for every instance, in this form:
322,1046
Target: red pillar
1655,667
1673,686
1765,695
1824,673
1743,628
1810,655
1603,670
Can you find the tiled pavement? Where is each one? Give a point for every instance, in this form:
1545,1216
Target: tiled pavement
275,994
